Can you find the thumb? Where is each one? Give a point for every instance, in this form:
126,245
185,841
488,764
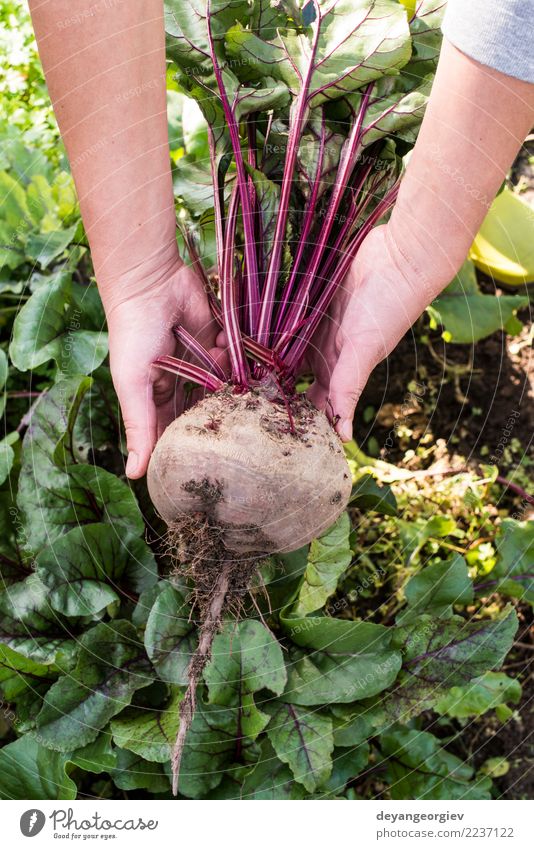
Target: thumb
139,415
346,385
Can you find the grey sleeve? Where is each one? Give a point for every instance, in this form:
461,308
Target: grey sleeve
498,33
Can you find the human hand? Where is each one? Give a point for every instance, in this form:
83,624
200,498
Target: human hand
381,297
140,321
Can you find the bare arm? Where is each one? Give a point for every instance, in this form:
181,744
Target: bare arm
475,123
104,62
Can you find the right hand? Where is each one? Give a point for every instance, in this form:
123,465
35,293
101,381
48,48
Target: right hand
140,330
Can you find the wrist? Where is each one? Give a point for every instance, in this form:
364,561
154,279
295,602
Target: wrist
432,262
144,278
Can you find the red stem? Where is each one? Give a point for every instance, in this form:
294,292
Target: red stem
515,488
196,262
339,246
229,307
298,118
218,203
346,166
308,221
189,372
250,248
192,345
297,346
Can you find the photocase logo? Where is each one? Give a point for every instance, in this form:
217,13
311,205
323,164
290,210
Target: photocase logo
32,822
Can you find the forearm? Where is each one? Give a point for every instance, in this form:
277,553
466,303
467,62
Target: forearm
475,123
104,62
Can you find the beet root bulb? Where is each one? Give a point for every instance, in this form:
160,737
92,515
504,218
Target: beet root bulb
268,480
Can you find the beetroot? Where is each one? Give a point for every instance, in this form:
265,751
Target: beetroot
298,99
236,460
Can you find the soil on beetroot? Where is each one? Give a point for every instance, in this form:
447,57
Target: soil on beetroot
463,396
219,582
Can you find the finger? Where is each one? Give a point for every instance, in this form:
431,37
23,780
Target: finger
196,395
346,386
168,392
192,304
318,395
169,410
140,421
202,324
220,355
208,332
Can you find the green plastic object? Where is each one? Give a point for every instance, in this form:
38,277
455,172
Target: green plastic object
504,246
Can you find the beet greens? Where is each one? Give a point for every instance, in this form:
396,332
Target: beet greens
310,107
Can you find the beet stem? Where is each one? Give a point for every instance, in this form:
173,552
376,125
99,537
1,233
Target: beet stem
199,660
243,187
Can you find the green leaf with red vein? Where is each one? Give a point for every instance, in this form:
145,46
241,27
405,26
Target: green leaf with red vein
303,739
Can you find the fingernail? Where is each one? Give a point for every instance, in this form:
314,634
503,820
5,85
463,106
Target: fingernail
345,430
131,463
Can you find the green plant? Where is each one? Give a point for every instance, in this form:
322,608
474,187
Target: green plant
300,697
335,88
467,315
355,661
